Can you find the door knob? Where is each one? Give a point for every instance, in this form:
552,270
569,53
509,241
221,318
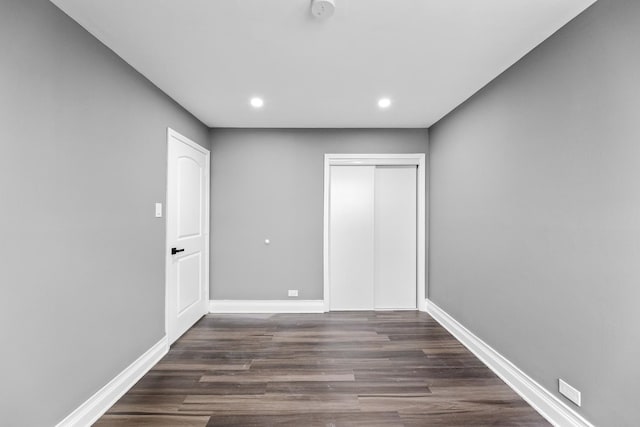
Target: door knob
176,250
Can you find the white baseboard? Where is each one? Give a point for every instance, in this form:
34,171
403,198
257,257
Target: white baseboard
422,305
266,306
89,412
548,405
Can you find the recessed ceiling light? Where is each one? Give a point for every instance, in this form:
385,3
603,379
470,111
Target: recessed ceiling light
257,102
384,103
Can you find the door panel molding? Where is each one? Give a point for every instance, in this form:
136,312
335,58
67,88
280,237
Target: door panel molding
408,159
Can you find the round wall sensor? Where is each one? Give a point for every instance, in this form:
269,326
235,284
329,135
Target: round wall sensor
322,8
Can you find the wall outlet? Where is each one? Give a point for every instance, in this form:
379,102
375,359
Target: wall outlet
569,392
293,292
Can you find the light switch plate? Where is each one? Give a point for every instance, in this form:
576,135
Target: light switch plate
158,210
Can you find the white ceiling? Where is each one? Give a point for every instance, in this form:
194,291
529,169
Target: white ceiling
428,56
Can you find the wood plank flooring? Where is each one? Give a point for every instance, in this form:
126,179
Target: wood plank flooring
333,369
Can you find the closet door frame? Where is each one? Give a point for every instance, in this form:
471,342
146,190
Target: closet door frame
412,159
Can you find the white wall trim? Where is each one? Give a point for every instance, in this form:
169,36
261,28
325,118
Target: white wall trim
174,134
418,159
89,412
266,306
542,400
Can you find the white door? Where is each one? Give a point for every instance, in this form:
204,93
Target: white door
372,237
351,238
187,234
395,237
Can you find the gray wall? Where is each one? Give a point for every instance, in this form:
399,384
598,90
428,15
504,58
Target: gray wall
268,183
83,160
535,212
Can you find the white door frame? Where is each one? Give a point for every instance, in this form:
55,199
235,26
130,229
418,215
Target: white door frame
417,159
167,247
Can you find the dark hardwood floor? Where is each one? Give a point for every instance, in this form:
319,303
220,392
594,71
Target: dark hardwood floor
333,369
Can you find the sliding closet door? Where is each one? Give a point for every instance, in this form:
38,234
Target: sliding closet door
395,237
351,237
372,237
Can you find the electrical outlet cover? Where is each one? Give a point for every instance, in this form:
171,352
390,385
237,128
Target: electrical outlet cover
569,392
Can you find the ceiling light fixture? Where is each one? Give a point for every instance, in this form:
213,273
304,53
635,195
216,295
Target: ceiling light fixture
256,102
322,8
384,103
